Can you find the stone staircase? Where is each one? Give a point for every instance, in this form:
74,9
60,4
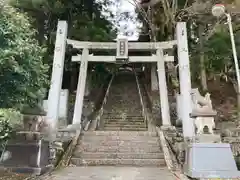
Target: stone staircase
118,148
124,139
123,111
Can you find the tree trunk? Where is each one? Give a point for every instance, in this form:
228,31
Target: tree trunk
203,74
73,78
238,100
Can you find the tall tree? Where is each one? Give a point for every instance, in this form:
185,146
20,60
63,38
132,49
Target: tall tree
88,20
22,71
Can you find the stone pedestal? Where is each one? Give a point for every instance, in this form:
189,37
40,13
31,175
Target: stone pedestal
210,160
208,138
28,153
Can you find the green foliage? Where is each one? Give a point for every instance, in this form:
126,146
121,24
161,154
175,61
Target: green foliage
98,75
22,72
88,20
85,18
12,116
219,52
9,119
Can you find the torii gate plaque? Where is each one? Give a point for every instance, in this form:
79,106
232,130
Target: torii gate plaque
122,51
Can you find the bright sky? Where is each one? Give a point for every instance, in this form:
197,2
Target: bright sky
132,26
128,5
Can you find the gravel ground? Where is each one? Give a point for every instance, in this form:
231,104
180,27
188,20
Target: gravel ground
7,175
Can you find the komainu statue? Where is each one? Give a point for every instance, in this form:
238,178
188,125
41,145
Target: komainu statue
202,112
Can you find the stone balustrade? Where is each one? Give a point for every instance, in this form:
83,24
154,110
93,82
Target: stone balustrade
144,113
96,122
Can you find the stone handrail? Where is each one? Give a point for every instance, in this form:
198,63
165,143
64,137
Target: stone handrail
165,149
235,144
175,169
98,115
144,113
95,111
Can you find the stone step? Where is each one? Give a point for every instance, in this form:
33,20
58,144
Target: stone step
125,110
118,162
125,129
120,143
123,97
120,114
93,138
130,134
121,117
123,103
100,155
124,122
126,125
117,119
118,148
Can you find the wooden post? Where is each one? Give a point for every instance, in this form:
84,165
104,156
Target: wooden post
185,81
162,86
77,116
57,75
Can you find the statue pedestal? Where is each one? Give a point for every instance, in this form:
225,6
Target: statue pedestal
210,160
28,154
208,138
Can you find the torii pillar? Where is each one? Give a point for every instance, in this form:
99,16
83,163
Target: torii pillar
162,87
56,80
185,81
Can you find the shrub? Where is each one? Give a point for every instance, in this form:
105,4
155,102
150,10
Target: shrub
9,119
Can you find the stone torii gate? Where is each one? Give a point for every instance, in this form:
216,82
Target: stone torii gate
122,47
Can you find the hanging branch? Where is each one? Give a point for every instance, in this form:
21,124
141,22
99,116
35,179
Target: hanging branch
144,14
